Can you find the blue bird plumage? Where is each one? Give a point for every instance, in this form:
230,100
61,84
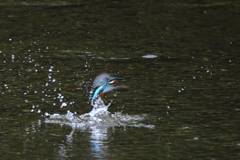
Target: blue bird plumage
104,83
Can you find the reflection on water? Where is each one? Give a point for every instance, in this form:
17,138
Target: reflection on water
97,122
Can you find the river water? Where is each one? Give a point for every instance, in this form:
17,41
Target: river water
180,61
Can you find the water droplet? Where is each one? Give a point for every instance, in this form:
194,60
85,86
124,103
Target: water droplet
63,105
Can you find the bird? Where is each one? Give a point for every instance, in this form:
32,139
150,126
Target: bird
105,83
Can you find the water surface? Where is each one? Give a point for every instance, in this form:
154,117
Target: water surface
181,61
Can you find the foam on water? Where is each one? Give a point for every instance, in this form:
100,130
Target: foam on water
99,117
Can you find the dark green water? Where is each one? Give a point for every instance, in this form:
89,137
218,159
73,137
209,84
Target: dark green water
51,52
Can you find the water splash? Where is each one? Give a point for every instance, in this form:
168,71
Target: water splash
99,117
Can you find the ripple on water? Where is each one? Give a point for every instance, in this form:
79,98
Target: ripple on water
99,117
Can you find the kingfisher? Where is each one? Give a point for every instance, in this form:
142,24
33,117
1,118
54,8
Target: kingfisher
105,83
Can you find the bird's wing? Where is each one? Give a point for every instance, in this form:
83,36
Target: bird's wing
109,88
112,87
101,79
